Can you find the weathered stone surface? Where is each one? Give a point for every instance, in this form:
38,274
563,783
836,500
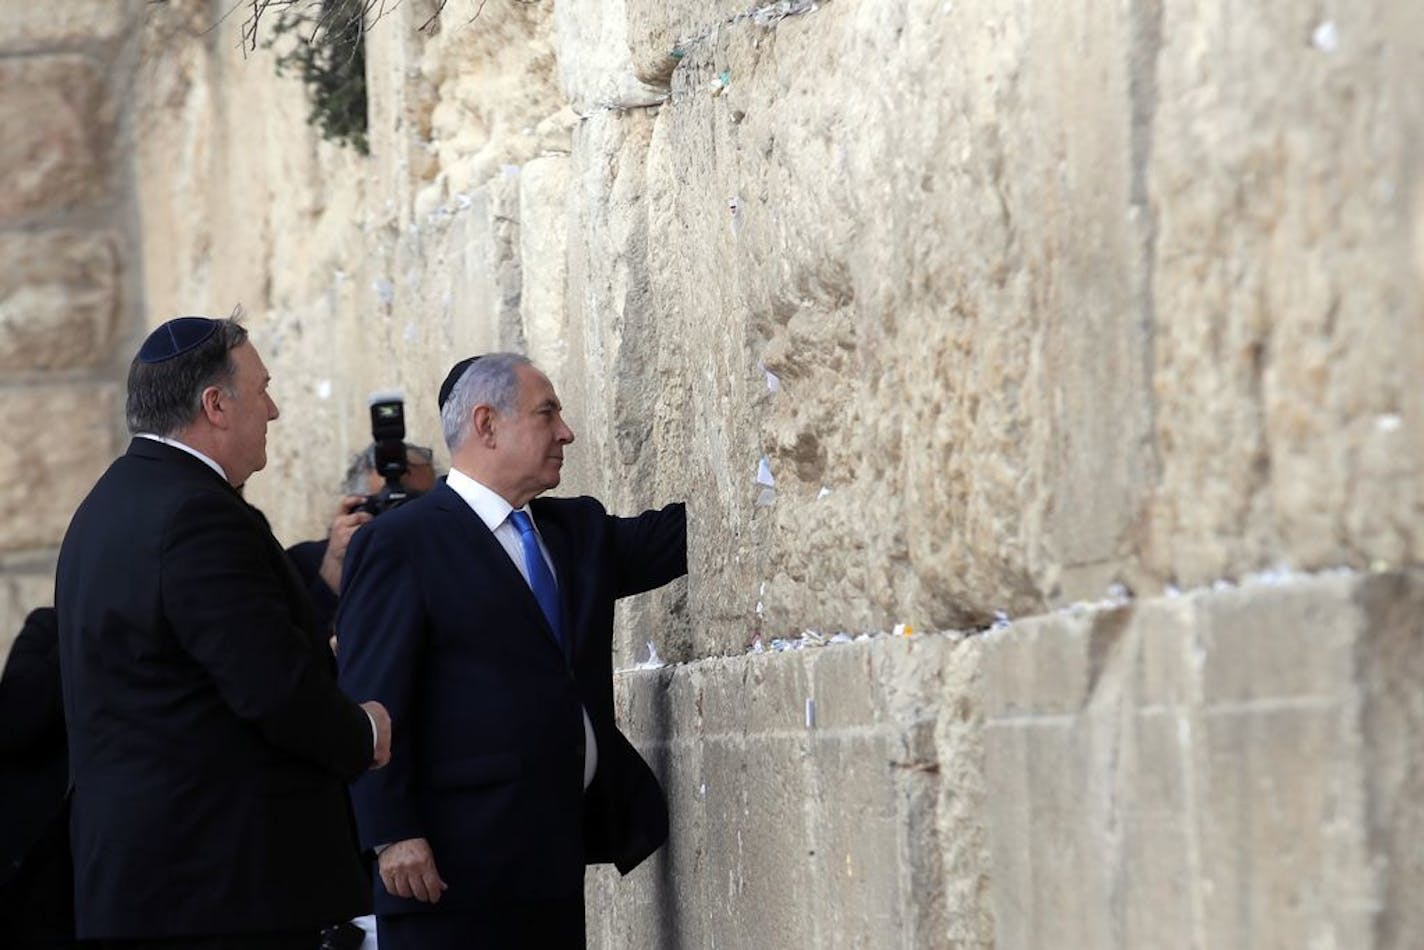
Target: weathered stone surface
544,245
494,71
28,26
59,120
1037,288
1390,664
68,436
59,299
1214,789
1287,324
790,822
596,67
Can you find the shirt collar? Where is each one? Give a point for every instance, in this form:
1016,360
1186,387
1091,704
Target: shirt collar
186,448
484,501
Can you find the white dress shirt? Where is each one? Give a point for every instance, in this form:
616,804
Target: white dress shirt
494,511
186,448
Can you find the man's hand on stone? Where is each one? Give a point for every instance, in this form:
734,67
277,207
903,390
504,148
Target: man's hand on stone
343,526
408,870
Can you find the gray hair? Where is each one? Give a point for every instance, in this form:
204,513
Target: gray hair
164,397
490,381
363,463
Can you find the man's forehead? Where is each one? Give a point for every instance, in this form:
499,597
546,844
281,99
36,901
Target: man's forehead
534,386
245,354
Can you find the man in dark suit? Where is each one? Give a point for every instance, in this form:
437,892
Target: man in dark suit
209,744
482,615
36,882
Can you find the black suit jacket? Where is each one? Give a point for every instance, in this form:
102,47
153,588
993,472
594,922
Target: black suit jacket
33,764
306,558
209,744
487,760
36,885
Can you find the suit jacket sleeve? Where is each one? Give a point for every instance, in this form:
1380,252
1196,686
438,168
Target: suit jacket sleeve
306,557
380,633
228,608
649,550
31,708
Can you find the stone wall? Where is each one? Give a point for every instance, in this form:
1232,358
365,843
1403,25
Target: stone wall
69,265
935,313
1225,768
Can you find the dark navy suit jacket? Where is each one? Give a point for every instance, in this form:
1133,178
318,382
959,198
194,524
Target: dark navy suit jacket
209,745
487,759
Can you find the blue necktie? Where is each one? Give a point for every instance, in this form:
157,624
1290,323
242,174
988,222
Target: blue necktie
541,579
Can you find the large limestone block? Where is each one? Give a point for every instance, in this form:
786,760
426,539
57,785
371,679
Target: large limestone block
67,433
1390,660
399,101
1288,326
176,148
493,71
59,124
59,298
544,245
824,798
28,26
1221,780
596,64
958,423
620,373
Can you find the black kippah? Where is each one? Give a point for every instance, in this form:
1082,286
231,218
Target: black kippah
176,337
453,377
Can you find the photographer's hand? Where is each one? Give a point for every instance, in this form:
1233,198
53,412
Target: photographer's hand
343,526
408,870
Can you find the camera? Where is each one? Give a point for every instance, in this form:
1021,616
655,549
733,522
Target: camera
388,434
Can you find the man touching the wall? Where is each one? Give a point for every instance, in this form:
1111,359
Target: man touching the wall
481,615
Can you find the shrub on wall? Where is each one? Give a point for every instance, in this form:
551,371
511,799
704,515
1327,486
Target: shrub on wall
328,53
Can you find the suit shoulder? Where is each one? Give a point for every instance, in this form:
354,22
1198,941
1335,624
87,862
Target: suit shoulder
582,506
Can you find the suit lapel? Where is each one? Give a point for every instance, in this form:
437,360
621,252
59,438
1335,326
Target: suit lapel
488,554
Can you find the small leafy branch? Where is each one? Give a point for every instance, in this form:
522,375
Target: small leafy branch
328,54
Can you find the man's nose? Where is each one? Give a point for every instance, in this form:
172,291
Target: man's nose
272,411
566,436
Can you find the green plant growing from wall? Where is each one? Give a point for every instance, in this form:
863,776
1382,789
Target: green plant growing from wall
328,53
325,43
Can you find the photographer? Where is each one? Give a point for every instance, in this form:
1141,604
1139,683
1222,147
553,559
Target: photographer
319,562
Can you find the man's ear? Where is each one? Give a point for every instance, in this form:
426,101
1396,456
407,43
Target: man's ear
482,424
214,406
